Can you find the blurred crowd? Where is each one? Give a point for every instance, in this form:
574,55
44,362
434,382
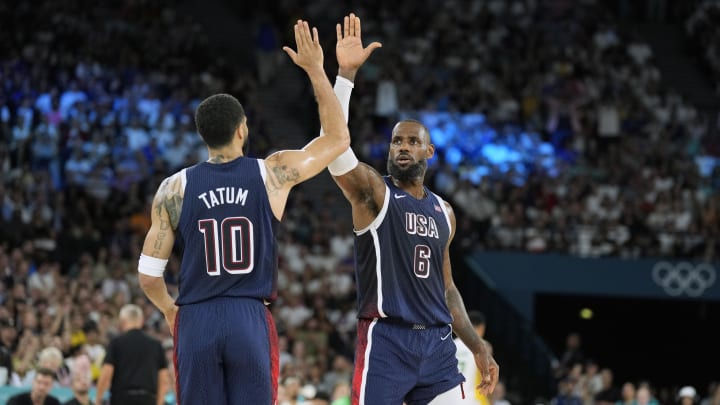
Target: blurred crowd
704,34
96,107
582,381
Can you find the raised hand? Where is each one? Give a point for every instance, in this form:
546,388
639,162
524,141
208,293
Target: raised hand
349,49
309,53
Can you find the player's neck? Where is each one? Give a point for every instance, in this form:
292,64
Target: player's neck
413,186
225,154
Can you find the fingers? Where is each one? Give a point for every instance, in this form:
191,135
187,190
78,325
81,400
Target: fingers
372,47
353,21
338,32
292,54
357,24
346,26
305,33
316,37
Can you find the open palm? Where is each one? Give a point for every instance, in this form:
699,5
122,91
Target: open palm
349,48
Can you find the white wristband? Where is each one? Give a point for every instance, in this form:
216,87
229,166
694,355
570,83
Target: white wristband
343,88
343,163
341,81
151,266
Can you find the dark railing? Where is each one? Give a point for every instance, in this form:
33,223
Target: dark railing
524,358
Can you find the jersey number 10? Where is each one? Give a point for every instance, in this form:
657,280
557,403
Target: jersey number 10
233,245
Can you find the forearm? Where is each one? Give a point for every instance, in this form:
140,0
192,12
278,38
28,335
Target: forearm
102,385
347,73
462,326
156,290
332,119
163,386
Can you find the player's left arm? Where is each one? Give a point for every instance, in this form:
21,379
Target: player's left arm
461,324
158,245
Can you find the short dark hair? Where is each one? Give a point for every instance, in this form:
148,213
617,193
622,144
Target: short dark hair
46,372
418,122
217,118
476,318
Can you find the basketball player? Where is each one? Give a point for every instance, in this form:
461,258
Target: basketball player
225,211
408,303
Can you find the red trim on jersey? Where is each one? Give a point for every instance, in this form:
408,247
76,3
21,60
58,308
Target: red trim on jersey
362,342
175,357
274,355
462,390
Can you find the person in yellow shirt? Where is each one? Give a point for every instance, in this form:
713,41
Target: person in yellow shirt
466,364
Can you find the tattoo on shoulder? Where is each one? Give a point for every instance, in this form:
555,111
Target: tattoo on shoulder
281,175
170,197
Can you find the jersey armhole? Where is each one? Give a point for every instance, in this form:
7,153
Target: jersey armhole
445,211
263,171
381,215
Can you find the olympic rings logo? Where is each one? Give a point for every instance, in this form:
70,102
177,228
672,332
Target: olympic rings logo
684,277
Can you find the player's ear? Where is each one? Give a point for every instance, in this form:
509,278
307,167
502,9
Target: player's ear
430,151
242,129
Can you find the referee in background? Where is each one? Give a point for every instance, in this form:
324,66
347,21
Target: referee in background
135,369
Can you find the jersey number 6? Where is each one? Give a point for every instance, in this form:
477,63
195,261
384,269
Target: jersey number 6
421,263
235,248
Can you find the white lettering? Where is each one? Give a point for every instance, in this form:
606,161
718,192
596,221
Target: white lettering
213,200
422,225
418,224
241,196
432,228
224,195
410,225
229,194
203,197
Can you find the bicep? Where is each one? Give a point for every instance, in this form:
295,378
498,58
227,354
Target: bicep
290,167
361,183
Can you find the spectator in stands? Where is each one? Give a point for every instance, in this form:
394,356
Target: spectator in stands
687,395
627,394
7,343
49,358
39,394
609,394
572,355
81,382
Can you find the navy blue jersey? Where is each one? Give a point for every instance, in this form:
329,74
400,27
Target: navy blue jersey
399,259
228,232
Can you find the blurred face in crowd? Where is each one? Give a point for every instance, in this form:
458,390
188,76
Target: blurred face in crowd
81,383
7,334
628,391
41,386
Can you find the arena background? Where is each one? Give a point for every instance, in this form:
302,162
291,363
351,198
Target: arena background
577,141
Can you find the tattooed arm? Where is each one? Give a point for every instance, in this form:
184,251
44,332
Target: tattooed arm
159,241
463,328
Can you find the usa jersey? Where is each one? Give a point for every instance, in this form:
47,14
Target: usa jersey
399,259
228,231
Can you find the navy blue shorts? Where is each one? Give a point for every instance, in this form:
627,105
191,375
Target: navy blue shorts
396,362
226,352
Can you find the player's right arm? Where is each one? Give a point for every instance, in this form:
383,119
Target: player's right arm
287,168
165,214
362,185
